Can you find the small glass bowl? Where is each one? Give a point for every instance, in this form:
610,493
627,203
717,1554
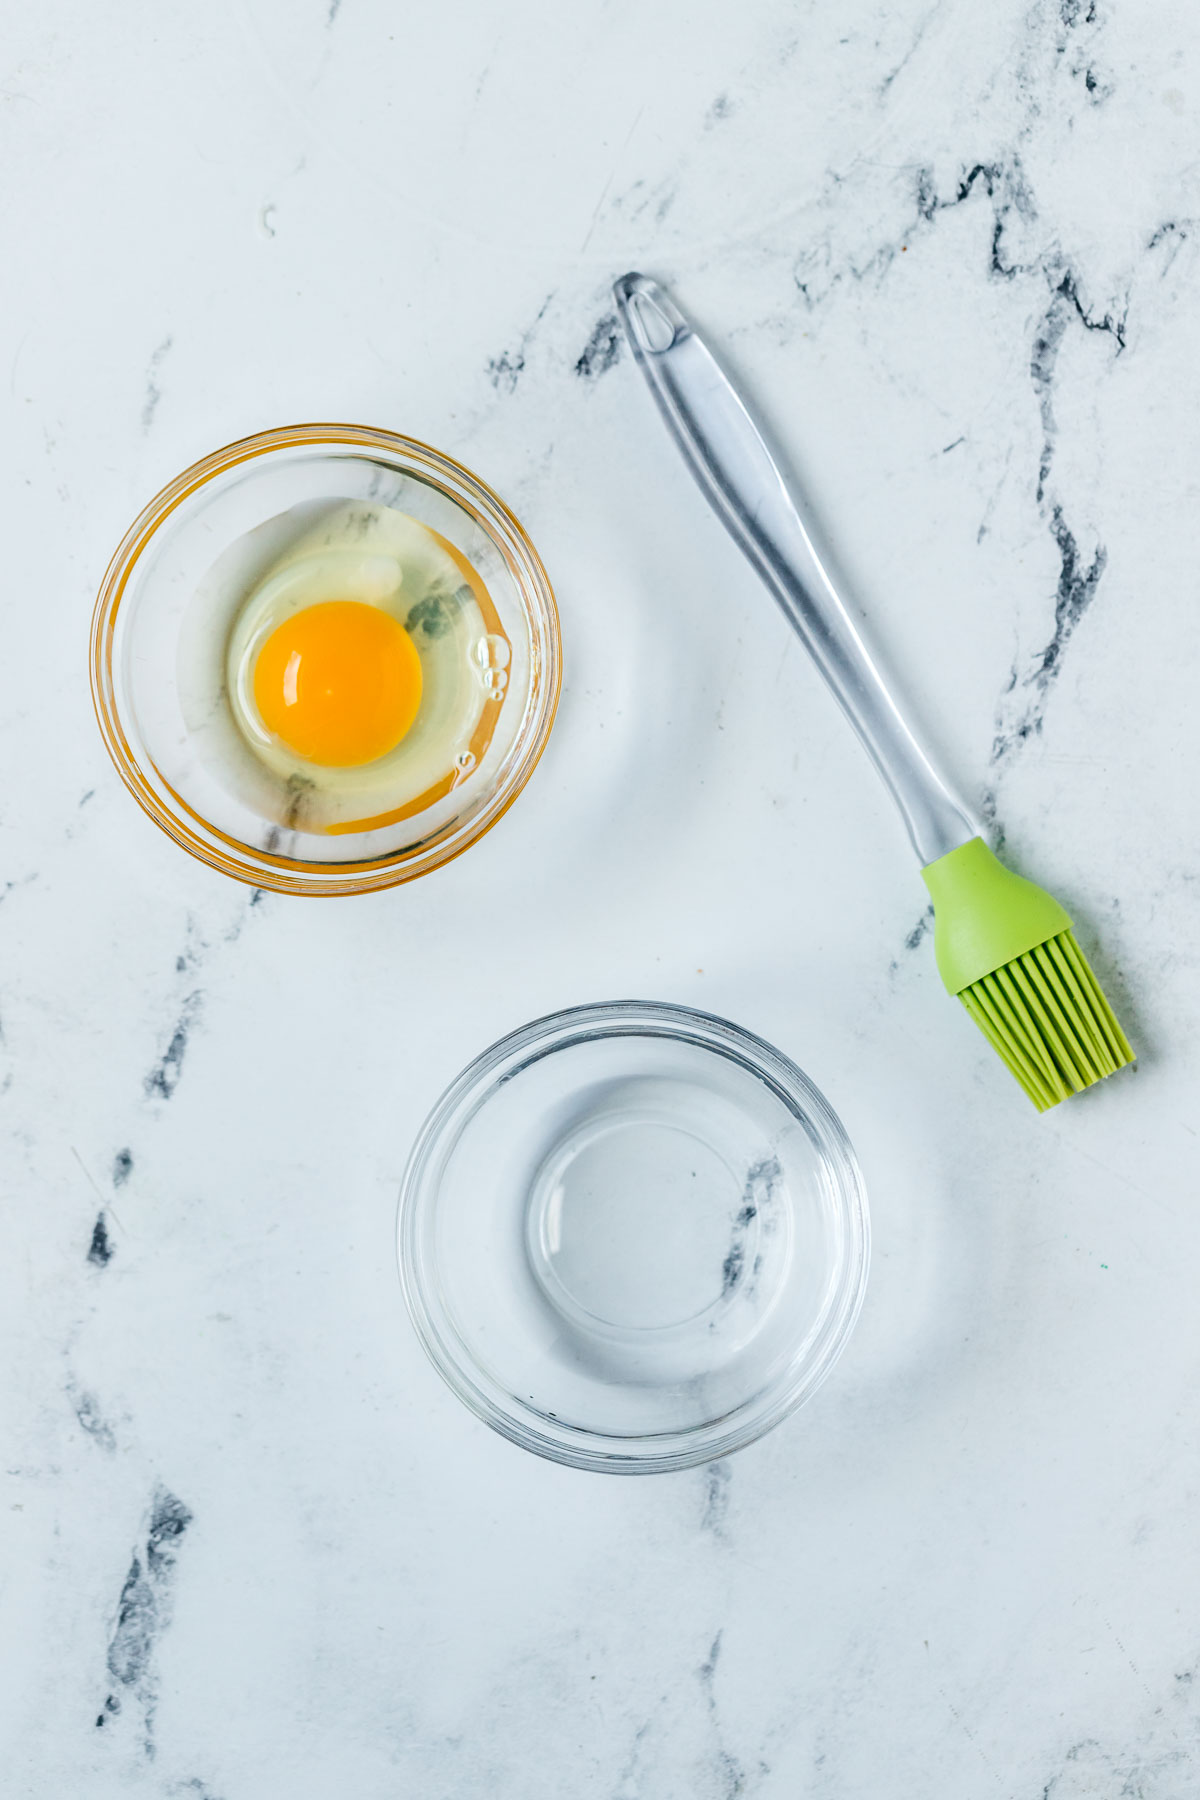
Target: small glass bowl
633,1237
157,579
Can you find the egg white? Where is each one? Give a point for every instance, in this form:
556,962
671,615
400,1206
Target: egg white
362,551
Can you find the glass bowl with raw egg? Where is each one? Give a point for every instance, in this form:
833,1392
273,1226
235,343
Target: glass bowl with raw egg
326,659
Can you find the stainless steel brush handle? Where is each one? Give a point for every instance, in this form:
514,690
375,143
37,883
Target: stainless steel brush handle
726,453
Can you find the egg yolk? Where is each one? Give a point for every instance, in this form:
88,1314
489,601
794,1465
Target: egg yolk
340,683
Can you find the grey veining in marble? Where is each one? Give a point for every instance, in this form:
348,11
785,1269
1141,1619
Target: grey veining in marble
251,1547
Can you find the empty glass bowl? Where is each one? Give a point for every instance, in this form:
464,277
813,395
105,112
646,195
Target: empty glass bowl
633,1237
167,606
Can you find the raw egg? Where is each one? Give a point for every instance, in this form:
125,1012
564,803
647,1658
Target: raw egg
362,673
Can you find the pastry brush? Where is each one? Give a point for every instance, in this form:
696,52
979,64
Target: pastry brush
1003,945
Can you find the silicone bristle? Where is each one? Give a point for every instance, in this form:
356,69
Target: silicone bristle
1046,1015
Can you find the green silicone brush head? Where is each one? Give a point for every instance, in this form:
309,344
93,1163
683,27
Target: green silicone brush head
1006,948
1047,1016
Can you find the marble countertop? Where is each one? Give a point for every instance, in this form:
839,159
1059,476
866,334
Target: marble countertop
251,1547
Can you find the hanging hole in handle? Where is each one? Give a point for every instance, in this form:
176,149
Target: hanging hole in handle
654,323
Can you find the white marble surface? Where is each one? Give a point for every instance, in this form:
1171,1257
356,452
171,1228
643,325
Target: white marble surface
953,252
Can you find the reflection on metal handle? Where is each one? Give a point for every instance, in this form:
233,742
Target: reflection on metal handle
727,454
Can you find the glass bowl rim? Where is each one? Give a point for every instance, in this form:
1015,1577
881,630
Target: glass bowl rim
261,869
564,1029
